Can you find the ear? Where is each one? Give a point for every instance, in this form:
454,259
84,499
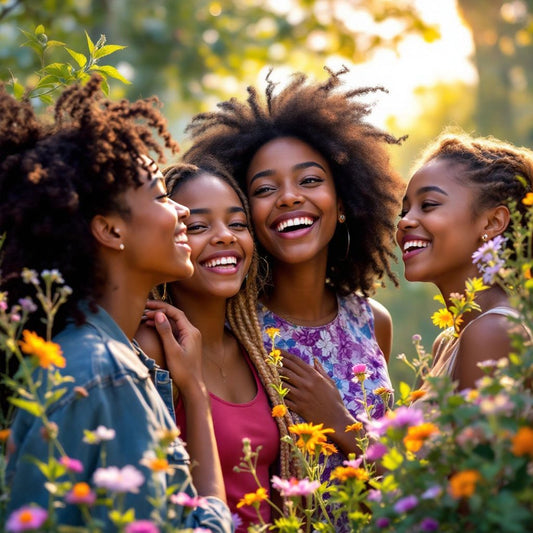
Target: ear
106,230
497,220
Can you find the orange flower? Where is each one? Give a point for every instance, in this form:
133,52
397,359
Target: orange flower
343,473
279,411
81,490
4,434
417,435
310,435
523,441
253,498
417,394
528,199
358,426
47,353
327,448
463,484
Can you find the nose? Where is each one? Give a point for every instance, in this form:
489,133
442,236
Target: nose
289,196
223,235
407,221
183,211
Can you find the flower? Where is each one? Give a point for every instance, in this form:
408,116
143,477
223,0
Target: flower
154,463
528,199
27,305
25,518
522,442
71,464
100,434
310,435
375,451
141,526
272,332
183,499
237,521
343,473
357,426
404,505
417,435
382,522
416,395
253,498
359,372
433,492
487,258
463,484
81,493
279,411
429,524
442,318
4,434
47,353
127,479
403,416
294,487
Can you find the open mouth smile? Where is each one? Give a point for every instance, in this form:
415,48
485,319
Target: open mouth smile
294,224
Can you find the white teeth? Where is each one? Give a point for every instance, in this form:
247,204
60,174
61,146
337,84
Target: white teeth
181,238
221,261
415,244
299,221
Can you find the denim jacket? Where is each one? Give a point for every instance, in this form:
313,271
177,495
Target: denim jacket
118,378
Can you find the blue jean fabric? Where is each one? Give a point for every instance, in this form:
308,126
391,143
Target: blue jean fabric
119,380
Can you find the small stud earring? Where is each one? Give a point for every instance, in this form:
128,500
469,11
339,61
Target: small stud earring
342,218
121,246
484,237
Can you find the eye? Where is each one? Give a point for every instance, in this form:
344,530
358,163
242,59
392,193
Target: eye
239,225
427,205
164,196
196,227
311,180
262,190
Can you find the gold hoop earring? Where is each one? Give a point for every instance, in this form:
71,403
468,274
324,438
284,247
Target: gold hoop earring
164,296
348,242
484,237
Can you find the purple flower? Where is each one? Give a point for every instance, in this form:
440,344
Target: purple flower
432,493
404,505
294,487
25,518
141,526
403,416
127,479
374,495
488,260
382,522
429,524
237,521
376,451
27,305
72,464
183,499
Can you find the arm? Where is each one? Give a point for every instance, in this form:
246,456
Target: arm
182,346
151,345
314,396
382,327
486,338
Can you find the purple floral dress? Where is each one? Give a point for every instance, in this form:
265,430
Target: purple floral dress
347,340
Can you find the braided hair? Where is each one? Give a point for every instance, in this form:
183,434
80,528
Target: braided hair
331,119
241,311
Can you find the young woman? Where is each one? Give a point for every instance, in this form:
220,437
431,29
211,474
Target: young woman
219,299
457,200
81,196
323,199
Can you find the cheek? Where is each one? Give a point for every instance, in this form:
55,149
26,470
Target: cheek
248,249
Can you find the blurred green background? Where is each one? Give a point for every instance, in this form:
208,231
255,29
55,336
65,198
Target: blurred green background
467,63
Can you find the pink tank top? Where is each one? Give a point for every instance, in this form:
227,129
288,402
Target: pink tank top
232,422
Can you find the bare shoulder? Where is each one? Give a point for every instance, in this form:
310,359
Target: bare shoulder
485,338
382,326
150,343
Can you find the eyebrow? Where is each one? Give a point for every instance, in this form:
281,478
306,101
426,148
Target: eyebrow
298,166
428,188
205,211
154,182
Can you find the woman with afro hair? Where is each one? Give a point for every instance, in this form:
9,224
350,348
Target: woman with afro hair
323,199
81,195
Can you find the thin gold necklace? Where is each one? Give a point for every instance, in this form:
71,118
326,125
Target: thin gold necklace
220,367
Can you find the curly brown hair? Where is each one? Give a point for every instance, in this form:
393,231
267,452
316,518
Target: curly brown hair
55,177
331,119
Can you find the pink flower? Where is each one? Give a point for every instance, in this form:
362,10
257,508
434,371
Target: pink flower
376,451
294,487
403,416
354,463
25,518
182,498
72,464
127,479
382,522
141,526
81,493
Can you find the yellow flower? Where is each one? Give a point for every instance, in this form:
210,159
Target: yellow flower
275,357
463,484
528,199
358,426
47,353
279,411
272,332
417,435
523,442
253,498
310,435
4,434
526,271
417,394
442,318
327,448
343,473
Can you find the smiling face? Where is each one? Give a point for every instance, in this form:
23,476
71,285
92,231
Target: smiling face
220,241
154,234
439,229
293,200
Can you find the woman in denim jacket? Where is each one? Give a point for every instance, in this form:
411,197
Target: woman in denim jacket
81,196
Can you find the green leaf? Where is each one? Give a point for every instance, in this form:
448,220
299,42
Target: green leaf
405,390
90,44
31,406
18,90
79,58
112,72
50,44
392,459
39,30
54,396
47,81
107,50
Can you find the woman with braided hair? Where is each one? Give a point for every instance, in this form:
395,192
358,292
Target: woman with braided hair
323,199
456,202
81,195
220,300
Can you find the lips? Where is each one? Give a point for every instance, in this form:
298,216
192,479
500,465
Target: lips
414,244
291,222
228,260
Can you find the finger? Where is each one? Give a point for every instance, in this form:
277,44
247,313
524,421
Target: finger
165,332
